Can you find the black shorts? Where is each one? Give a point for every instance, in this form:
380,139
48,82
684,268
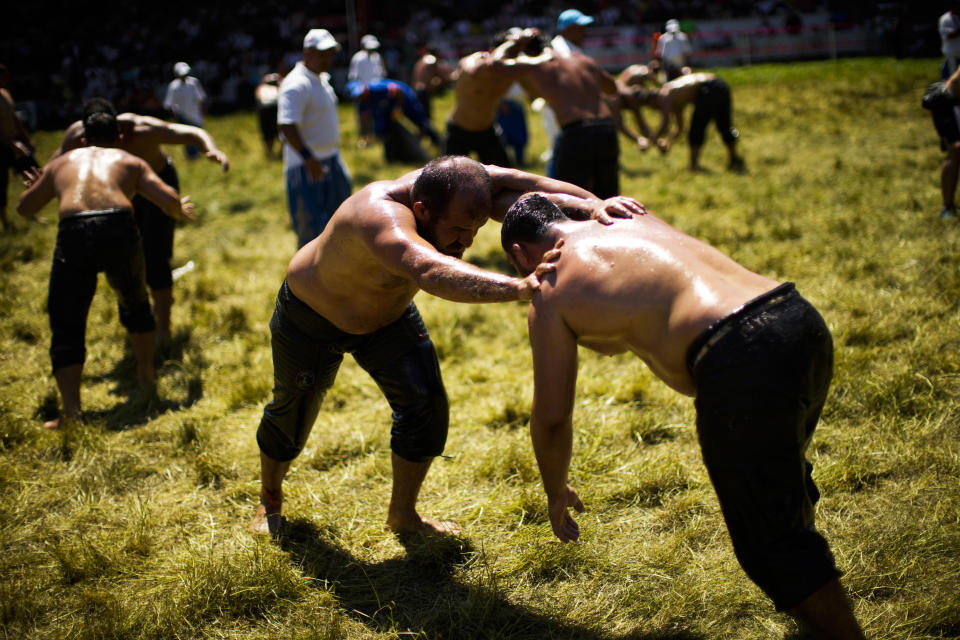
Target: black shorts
761,377
587,154
9,160
713,102
307,352
945,122
88,243
156,229
487,143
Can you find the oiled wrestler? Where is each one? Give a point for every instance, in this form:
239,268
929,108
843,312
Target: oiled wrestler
97,232
755,355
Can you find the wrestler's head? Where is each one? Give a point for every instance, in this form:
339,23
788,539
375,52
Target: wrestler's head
100,130
526,225
451,201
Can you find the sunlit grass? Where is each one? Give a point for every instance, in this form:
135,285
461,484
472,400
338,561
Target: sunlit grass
133,524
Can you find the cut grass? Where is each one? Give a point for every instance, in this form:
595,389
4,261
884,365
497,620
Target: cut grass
132,525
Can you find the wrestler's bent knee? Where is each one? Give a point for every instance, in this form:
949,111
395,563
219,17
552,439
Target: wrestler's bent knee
420,430
276,444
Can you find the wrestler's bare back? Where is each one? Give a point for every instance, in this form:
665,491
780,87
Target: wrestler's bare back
94,178
642,286
479,89
336,273
573,86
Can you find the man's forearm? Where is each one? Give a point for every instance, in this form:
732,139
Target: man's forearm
460,281
552,446
522,181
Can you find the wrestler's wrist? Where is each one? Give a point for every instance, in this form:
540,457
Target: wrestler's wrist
305,153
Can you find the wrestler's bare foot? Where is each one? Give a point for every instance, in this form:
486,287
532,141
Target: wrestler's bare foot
60,421
267,519
424,526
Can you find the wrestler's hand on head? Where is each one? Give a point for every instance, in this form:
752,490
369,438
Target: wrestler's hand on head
564,526
531,284
617,207
187,209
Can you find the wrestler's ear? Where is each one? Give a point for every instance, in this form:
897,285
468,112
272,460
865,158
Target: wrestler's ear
521,260
420,212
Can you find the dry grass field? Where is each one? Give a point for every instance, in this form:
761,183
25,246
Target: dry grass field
133,524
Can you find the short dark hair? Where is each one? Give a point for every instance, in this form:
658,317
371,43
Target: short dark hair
534,47
444,176
98,105
100,128
528,219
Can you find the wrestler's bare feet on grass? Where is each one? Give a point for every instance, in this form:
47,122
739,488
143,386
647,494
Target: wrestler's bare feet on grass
60,421
266,521
424,526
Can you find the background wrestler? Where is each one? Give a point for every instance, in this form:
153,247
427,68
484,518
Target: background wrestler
351,290
483,79
16,146
586,152
97,232
756,356
143,136
710,96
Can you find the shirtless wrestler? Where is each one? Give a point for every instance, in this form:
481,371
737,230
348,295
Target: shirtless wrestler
351,289
754,354
97,232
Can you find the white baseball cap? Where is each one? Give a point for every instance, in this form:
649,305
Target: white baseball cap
369,41
319,39
181,69
673,25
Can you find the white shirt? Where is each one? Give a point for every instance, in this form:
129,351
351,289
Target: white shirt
366,67
562,47
308,101
185,98
674,47
949,22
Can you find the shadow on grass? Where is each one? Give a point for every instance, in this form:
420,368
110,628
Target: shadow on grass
420,594
140,406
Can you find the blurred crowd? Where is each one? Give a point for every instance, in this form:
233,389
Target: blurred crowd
126,51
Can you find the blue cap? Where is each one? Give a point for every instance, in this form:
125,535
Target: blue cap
572,16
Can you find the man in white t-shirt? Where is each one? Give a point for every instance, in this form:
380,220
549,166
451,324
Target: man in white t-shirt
366,65
186,99
674,49
316,176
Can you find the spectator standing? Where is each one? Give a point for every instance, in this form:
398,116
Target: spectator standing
316,176
366,65
186,99
673,50
941,99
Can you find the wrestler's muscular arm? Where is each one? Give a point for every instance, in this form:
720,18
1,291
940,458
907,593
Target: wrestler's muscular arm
392,238
40,192
163,132
151,187
72,139
510,184
551,420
